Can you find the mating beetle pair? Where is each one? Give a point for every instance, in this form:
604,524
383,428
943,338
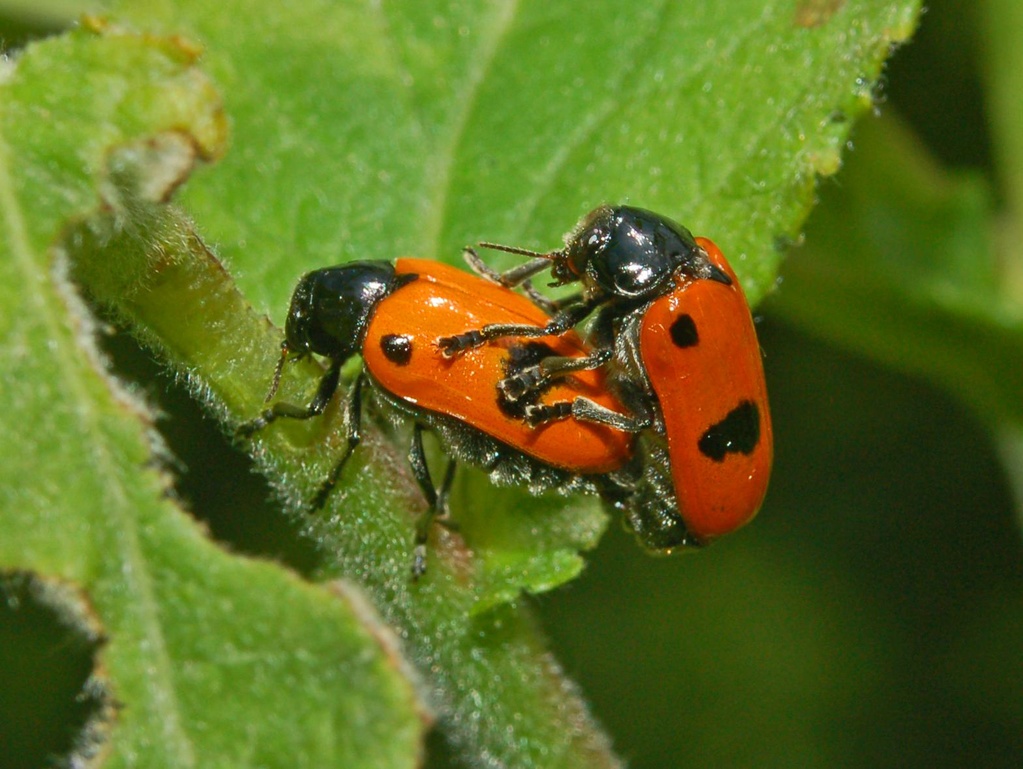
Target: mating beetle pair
662,411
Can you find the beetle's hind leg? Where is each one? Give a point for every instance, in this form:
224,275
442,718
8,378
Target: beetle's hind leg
436,500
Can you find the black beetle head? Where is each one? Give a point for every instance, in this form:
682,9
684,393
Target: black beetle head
628,253
331,308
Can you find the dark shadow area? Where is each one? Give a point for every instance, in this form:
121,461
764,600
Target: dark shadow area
860,621
19,29
48,698
214,480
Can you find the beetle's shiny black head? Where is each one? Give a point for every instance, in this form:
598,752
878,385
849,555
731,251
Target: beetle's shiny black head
332,307
629,253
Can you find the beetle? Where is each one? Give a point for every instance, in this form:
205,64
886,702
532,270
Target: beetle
674,331
392,314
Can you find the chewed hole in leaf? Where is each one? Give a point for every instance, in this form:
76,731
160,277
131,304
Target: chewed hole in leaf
55,707
213,478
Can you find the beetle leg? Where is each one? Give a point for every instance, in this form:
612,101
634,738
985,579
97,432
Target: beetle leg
443,493
535,379
519,276
585,410
417,460
548,305
451,346
438,511
353,427
509,278
545,303
324,392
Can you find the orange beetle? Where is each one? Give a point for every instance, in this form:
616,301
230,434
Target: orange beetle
675,334
392,315
701,359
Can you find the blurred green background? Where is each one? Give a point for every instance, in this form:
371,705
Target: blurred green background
872,614
870,617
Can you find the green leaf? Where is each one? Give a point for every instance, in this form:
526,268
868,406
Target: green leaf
203,648
426,130
371,130
523,543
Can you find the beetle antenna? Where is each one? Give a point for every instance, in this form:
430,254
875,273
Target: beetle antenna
519,251
276,381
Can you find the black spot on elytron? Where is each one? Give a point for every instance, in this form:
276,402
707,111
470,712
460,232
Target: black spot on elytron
737,433
397,348
683,332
